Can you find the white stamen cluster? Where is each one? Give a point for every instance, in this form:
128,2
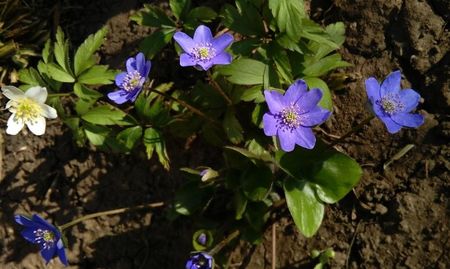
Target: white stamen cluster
391,104
288,118
203,52
131,81
45,238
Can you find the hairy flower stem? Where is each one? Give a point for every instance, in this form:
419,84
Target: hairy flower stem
109,212
224,242
217,87
186,105
353,130
59,94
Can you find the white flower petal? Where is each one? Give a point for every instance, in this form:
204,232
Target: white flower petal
48,111
37,126
14,126
12,92
38,93
9,104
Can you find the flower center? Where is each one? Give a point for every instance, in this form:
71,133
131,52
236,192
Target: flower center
27,110
288,118
204,52
391,104
45,238
131,80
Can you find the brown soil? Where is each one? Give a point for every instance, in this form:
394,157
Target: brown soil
395,218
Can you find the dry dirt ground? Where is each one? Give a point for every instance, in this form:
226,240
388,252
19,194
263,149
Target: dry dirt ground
395,218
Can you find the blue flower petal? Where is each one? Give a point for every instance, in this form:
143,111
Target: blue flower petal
119,97
287,139
38,219
140,63
305,137
131,65
205,65
270,125
309,100
222,42
295,91
61,252
29,235
187,60
48,253
119,79
391,84
185,41
22,220
146,69
408,119
203,35
314,117
410,99
222,58
274,100
373,89
391,126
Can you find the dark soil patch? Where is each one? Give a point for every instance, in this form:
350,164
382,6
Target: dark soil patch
395,218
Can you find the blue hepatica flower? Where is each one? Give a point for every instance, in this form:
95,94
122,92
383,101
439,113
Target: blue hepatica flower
203,51
199,260
39,231
130,83
293,114
392,105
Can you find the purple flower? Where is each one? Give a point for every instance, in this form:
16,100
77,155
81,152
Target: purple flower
199,260
39,231
293,114
130,83
204,50
392,105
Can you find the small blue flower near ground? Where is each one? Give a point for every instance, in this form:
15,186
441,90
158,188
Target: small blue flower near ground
48,237
392,105
130,83
203,51
199,260
293,114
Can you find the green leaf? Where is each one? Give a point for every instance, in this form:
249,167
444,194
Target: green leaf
252,94
30,76
305,209
179,7
153,43
154,17
105,115
288,43
326,101
245,71
97,75
84,54
46,54
154,141
190,198
324,65
232,127
62,51
130,136
256,182
245,46
244,19
288,15
58,74
96,134
240,203
204,14
87,97
333,173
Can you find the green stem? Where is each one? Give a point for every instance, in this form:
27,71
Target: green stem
109,212
59,94
353,130
218,89
186,105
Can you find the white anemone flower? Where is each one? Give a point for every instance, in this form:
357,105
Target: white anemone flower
27,108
